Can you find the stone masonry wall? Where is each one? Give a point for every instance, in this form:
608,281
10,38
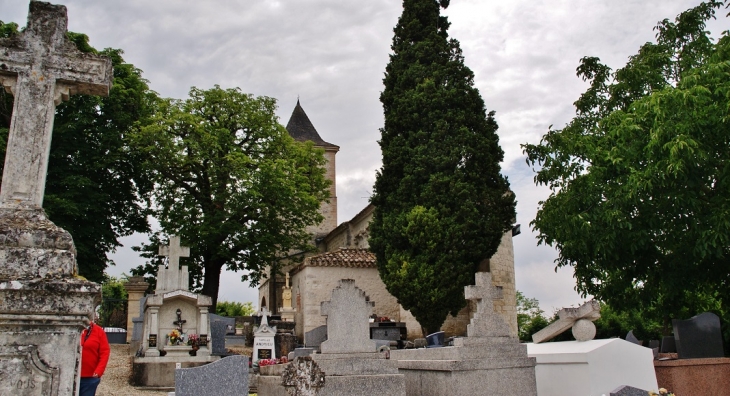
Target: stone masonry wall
328,209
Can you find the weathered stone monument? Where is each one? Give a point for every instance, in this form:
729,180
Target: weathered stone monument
490,360
580,319
287,311
173,316
349,361
43,304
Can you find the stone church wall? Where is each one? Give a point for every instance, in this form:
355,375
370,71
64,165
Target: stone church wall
328,209
312,285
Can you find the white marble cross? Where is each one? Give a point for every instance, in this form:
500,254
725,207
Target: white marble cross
174,251
41,68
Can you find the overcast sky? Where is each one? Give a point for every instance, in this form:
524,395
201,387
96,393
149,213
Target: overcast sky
332,55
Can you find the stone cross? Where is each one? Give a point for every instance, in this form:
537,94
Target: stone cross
483,293
580,319
264,313
41,68
174,251
179,322
485,322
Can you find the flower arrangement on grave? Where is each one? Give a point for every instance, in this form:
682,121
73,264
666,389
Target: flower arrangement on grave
271,362
175,337
193,340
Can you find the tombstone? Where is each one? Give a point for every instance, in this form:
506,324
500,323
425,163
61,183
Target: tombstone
698,337
348,329
668,345
625,390
229,322
225,377
580,319
595,367
172,308
315,337
43,304
348,361
488,361
218,331
136,287
264,346
630,337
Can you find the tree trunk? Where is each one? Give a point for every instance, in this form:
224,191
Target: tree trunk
211,282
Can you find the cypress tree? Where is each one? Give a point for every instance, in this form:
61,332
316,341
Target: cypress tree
441,204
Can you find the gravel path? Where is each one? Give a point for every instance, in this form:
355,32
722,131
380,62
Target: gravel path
115,381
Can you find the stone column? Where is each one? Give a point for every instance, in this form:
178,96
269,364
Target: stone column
203,330
153,339
136,286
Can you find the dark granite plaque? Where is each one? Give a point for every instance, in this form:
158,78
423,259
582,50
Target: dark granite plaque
698,337
264,354
668,345
153,341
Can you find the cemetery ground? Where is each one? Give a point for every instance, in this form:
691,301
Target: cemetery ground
116,378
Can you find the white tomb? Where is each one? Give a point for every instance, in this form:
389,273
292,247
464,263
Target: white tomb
172,308
264,338
591,368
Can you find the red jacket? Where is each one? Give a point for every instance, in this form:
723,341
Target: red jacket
94,351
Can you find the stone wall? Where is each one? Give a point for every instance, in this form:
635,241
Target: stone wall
312,285
328,209
502,267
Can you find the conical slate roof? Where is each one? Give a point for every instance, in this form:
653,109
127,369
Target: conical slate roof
301,129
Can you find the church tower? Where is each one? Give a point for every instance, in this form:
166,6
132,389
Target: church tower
302,130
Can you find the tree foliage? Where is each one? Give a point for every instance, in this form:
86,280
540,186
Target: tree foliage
234,308
640,177
96,188
231,182
530,318
441,204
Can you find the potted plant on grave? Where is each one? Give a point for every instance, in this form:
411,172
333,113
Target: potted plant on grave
194,342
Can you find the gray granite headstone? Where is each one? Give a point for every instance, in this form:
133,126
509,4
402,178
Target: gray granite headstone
230,322
225,377
300,352
315,337
625,390
630,337
218,338
698,337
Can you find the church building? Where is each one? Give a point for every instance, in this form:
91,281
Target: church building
342,253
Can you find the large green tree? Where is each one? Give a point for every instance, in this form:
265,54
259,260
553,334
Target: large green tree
441,204
640,178
231,182
96,187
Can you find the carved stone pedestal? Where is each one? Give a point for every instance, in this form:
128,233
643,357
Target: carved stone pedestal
43,306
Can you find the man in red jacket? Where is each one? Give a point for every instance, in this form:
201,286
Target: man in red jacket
94,357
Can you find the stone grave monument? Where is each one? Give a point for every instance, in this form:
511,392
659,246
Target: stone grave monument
44,305
172,316
488,360
263,338
580,319
349,361
701,368
587,366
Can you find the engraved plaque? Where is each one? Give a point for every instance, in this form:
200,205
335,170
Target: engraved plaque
153,341
203,340
22,373
264,353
